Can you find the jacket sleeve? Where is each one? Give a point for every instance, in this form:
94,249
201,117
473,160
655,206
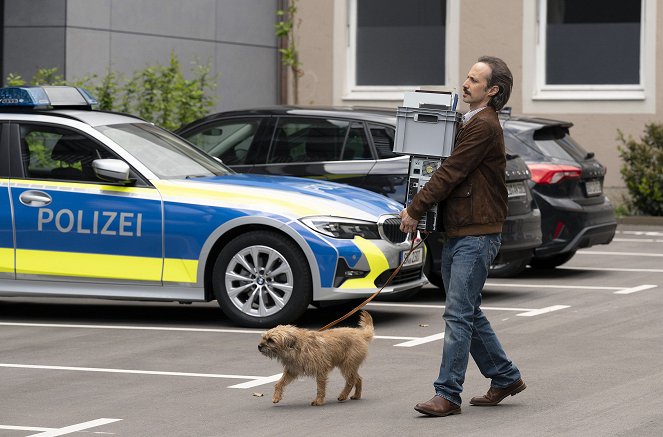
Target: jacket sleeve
472,145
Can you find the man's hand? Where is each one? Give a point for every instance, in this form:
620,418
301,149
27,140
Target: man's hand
408,224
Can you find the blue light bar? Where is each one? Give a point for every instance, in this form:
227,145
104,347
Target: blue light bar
46,97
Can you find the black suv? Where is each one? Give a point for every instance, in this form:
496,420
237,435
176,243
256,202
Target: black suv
567,184
353,146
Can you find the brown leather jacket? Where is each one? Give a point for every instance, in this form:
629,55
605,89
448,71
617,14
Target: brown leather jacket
470,185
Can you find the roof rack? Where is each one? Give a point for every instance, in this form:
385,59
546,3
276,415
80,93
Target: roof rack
31,98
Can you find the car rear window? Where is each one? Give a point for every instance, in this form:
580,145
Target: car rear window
524,148
552,141
556,141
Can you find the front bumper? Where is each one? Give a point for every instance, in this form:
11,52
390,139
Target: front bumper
378,258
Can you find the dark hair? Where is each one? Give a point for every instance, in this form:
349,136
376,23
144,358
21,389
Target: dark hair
500,76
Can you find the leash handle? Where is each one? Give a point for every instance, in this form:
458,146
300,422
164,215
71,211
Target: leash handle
413,247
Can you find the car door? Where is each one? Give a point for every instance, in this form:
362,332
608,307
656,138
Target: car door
6,228
321,148
72,226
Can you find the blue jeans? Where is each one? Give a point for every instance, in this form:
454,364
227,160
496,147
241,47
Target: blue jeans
465,264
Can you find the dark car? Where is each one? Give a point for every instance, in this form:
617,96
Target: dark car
353,146
567,184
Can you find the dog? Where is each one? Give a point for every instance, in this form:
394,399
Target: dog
316,353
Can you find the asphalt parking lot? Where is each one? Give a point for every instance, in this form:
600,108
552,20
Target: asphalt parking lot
587,338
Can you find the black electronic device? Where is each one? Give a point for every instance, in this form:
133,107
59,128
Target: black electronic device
421,171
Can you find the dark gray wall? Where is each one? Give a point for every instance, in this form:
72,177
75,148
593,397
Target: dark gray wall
34,36
88,37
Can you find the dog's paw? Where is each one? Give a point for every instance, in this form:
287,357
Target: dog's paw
342,398
276,399
317,402
355,397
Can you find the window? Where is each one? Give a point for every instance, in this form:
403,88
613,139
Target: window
356,146
387,32
580,54
229,140
395,46
593,42
315,140
55,153
383,138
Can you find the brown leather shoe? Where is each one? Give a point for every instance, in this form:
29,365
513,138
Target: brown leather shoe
438,406
495,395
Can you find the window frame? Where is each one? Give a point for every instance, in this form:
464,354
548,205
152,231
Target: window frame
352,91
542,97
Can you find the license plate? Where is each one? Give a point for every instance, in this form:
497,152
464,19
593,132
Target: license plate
593,187
516,189
416,257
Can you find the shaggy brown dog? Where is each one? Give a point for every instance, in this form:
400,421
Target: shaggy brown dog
315,353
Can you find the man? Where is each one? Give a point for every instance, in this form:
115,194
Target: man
470,187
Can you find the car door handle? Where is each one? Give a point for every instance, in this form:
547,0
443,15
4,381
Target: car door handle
35,198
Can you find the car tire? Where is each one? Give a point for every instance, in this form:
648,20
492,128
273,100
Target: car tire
261,279
508,269
435,278
550,262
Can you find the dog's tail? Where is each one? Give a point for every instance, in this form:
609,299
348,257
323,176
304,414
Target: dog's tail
366,323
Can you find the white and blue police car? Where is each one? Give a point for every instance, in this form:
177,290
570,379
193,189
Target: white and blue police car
98,204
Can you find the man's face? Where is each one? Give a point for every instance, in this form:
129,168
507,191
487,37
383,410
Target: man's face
475,91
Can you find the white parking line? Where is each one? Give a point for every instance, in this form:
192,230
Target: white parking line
24,428
558,286
637,240
610,269
409,305
258,381
592,252
53,432
156,328
635,289
130,371
647,233
543,310
619,290
421,340
138,328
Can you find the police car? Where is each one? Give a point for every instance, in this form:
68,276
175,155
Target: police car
106,205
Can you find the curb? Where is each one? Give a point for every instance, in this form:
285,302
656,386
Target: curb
641,220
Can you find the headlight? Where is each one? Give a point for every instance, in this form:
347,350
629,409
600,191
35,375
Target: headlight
338,227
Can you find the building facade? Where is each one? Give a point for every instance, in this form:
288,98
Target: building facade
594,62
90,37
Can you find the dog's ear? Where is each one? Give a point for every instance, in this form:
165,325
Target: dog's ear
290,340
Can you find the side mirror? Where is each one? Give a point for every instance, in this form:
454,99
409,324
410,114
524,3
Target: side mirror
111,170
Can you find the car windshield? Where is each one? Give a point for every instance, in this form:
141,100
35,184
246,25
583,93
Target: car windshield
163,153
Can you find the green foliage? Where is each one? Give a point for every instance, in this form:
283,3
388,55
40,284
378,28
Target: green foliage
641,170
160,94
284,29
